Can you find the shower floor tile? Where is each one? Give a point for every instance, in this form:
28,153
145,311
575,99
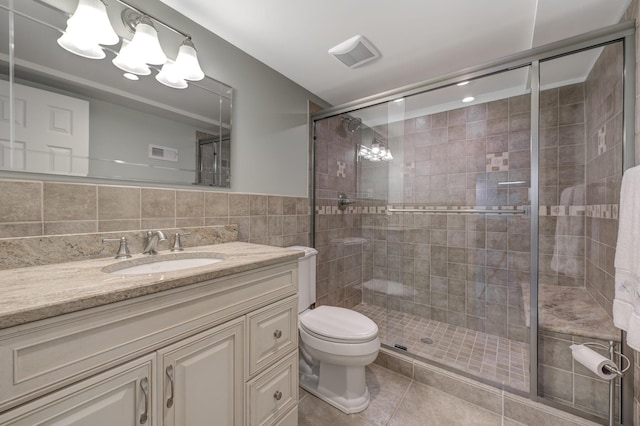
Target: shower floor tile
484,355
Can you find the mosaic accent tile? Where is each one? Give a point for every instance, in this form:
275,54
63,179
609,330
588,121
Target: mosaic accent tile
602,146
603,211
498,162
342,166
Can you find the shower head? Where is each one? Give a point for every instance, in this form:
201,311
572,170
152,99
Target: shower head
353,123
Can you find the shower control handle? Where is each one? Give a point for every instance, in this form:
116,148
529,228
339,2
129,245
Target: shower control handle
343,201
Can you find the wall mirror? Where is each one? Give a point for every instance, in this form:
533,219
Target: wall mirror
63,114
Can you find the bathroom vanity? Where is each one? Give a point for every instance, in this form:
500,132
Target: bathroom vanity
215,344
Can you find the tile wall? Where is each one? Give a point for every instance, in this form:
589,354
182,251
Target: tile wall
604,115
339,263
467,270
47,209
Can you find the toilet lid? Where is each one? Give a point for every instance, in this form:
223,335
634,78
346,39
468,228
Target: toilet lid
340,324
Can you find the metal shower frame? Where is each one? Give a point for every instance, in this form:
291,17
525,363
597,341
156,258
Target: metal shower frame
624,33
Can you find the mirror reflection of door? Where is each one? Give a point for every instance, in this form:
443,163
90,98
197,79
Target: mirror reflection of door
213,160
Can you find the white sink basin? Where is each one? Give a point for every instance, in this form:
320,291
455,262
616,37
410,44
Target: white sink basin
159,265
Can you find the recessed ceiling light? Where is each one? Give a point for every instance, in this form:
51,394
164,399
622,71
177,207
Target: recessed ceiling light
468,99
130,76
463,83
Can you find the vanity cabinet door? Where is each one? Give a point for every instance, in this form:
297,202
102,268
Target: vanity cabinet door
121,396
202,378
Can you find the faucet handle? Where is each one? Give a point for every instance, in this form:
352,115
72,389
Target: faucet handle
123,250
177,244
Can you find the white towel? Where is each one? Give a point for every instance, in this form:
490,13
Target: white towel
566,248
626,305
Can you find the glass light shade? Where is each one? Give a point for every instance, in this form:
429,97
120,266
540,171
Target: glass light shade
81,47
145,44
170,76
128,61
187,62
91,22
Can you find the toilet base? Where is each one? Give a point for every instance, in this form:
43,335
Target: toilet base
344,387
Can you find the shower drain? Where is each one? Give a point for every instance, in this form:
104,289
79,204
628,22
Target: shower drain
427,340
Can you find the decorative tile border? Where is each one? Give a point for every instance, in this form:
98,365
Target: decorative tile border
561,211
600,211
603,211
325,210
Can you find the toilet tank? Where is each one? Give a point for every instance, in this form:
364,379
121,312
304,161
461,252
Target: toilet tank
306,277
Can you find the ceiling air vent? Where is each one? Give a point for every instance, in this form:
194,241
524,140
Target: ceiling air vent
355,51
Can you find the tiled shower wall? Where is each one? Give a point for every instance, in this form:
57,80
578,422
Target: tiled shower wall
48,209
339,262
604,115
469,270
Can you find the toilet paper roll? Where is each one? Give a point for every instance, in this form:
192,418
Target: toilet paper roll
593,361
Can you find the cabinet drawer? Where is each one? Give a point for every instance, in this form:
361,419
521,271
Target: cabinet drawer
121,396
289,419
273,392
273,332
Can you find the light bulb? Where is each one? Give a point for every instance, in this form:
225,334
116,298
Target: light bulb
375,148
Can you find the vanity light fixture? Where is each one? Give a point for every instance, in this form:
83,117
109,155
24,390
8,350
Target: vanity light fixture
377,152
87,29
145,47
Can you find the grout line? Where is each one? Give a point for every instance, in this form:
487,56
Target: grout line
395,411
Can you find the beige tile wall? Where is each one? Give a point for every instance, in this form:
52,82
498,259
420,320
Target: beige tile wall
39,208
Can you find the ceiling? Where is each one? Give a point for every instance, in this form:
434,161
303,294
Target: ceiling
418,40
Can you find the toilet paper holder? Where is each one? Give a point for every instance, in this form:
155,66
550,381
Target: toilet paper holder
611,348
611,369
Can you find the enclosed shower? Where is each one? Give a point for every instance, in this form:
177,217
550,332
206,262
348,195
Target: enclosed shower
474,217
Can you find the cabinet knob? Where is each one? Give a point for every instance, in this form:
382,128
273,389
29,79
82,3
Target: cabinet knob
277,334
277,395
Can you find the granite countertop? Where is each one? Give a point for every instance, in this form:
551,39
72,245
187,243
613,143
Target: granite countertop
39,292
571,310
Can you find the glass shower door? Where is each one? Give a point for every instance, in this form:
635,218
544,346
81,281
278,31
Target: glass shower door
448,253
581,129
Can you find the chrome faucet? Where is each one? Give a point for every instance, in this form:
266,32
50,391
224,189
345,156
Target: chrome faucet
153,237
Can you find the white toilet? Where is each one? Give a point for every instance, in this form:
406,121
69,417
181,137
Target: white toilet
335,345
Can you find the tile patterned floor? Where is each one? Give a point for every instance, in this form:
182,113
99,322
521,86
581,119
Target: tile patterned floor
397,400
483,355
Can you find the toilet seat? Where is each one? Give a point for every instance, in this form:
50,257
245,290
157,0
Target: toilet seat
339,325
